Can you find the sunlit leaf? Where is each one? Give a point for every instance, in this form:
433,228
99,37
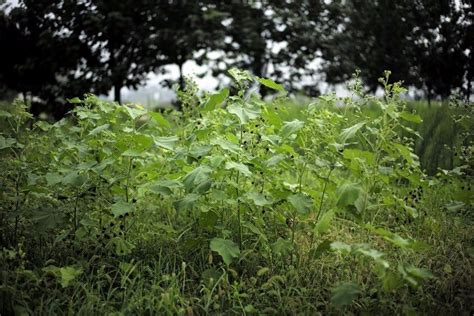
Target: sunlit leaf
271,84
240,167
216,100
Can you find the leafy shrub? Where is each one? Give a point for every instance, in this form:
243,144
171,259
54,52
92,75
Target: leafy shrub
225,196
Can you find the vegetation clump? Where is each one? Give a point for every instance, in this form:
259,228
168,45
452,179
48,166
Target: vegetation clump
232,206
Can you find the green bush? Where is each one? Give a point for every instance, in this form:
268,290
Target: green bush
228,207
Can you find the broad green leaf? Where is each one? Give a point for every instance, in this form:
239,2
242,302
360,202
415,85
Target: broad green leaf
244,114
323,225
419,273
196,177
357,154
166,142
6,142
282,247
159,119
392,237
227,249
226,145
406,153
301,202
75,100
68,274
348,194
208,219
121,207
200,151
74,179
164,187
258,198
139,144
99,129
5,114
274,160
350,132
413,274
216,100
134,111
203,187
271,84
53,178
391,281
322,247
240,167
44,126
415,118
187,202
123,247
216,160
291,127
340,246
240,75
374,254
272,118
344,293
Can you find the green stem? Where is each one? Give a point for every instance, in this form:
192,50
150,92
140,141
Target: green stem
323,194
129,171
75,211
238,213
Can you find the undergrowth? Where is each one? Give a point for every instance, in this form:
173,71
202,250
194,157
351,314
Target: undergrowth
229,207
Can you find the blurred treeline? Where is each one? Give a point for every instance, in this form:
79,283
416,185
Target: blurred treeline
53,50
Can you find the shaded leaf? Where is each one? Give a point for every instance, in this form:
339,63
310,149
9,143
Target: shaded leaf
227,249
187,202
291,127
350,132
344,293
348,194
240,167
301,202
157,117
324,223
121,207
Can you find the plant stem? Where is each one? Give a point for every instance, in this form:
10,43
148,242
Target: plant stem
238,213
128,179
75,210
323,194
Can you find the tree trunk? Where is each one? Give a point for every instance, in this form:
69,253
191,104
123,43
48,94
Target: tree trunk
469,89
117,94
429,97
181,76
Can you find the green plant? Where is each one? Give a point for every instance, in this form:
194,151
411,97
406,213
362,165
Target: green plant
228,207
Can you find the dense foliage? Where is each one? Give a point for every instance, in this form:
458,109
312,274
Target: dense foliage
232,206
64,48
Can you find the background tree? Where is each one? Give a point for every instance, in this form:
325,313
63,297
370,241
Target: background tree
442,46
121,42
372,36
299,29
40,56
186,31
